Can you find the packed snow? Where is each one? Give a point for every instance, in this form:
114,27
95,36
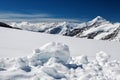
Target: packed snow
54,62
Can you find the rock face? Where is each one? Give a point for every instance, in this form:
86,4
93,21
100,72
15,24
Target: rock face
5,25
98,28
8,26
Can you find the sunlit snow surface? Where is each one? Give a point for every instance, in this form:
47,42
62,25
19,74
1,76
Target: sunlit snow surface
64,59
53,62
19,43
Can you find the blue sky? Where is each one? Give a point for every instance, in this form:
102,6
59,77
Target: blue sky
78,10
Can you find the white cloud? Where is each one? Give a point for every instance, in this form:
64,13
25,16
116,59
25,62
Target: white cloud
17,17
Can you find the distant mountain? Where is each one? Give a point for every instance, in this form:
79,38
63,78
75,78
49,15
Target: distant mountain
98,28
5,25
8,26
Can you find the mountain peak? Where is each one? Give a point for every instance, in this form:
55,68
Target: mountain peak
99,18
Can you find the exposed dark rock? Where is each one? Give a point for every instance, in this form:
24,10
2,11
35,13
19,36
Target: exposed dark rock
92,35
112,35
2,69
8,26
55,30
5,25
74,32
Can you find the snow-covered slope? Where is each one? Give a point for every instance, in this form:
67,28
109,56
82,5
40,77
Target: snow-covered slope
54,62
66,58
15,43
98,28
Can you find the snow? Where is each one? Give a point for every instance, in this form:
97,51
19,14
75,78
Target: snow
100,68
105,28
98,20
60,59
80,60
44,27
98,28
53,72
102,57
55,50
18,43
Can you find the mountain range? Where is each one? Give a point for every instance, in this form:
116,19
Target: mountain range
98,28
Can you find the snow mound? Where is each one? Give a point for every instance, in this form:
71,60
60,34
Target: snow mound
51,50
53,62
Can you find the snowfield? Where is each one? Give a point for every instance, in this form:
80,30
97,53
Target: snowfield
62,58
18,43
53,62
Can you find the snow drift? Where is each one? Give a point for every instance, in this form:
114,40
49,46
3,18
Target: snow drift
53,62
